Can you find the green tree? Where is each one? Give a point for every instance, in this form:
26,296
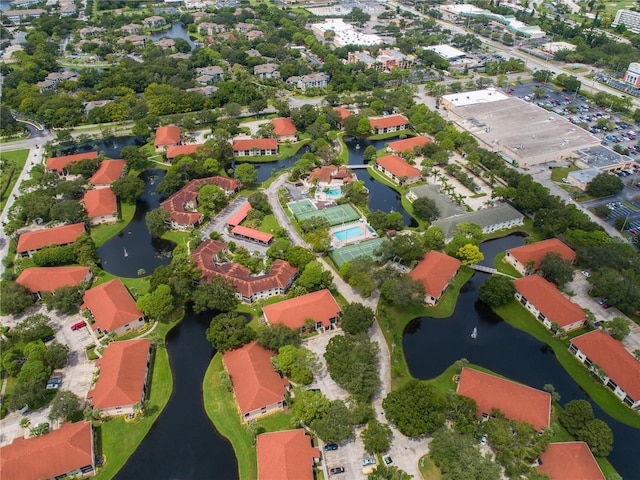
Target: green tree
300,256
15,298
217,294
459,458
128,188
276,336
68,211
334,425
229,330
157,304
425,209
416,408
605,184
383,472
308,405
156,221
598,436
370,153
433,238
85,250
211,198
376,437
65,406
356,318
56,355
497,291
32,328
247,174
618,328
575,415
403,290
65,299
259,201
314,277
469,254
295,363
555,269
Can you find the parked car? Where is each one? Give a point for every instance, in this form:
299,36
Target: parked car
603,301
483,440
387,460
78,325
54,383
585,273
48,338
330,446
336,470
368,461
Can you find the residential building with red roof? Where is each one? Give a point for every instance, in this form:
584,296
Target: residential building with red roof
332,175
239,215
167,136
547,304
66,451
569,461
397,169
258,389
343,112
60,164
400,146
31,242
515,401
101,205
113,308
284,129
435,271
318,306
255,147
39,280
122,382
286,455
108,172
175,150
252,235
250,288
617,368
181,206
526,259
390,123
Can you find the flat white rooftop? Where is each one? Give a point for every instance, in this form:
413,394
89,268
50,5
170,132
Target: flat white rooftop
446,51
477,96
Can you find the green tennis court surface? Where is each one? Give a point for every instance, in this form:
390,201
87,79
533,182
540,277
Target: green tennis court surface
340,256
301,206
334,215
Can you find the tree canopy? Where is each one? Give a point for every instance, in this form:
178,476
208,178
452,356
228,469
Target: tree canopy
416,408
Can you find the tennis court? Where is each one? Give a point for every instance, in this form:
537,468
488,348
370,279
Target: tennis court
301,206
334,215
340,256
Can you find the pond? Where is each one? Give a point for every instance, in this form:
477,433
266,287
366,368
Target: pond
134,249
381,196
183,444
110,146
267,169
433,344
177,30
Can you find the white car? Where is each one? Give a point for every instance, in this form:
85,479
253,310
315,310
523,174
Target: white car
585,273
483,440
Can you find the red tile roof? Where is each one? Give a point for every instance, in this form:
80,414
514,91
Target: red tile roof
168,135
388,121
283,127
48,279
252,233
280,275
38,239
108,171
123,369
547,299
515,401
344,112
174,151
285,455
536,251
255,383
435,270
610,355
238,217
59,163
398,166
60,451
259,143
320,305
327,173
570,461
101,201
401,146
112,305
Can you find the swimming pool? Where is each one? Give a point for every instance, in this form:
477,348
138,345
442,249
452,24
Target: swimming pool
349,233
334,192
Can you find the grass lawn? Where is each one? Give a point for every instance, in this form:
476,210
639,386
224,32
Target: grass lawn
177,237
15,160
504,267
428,469
344,152
269,224
399,134
102,233
517,316
558,173
137,286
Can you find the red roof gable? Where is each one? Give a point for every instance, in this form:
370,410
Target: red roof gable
320,305
59,163
38,239
515,401
570,461
398,166
610,355
255,383
252,233
344,112
168,135
48,279
435,270
243,144
123,370
388,121
327,173
283,127
60,451
536,251
101,201
238,217
547,299
108,171
174,151
112,305
286,455
401,146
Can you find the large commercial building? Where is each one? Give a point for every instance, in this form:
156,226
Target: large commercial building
629,19
510,22
345,34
